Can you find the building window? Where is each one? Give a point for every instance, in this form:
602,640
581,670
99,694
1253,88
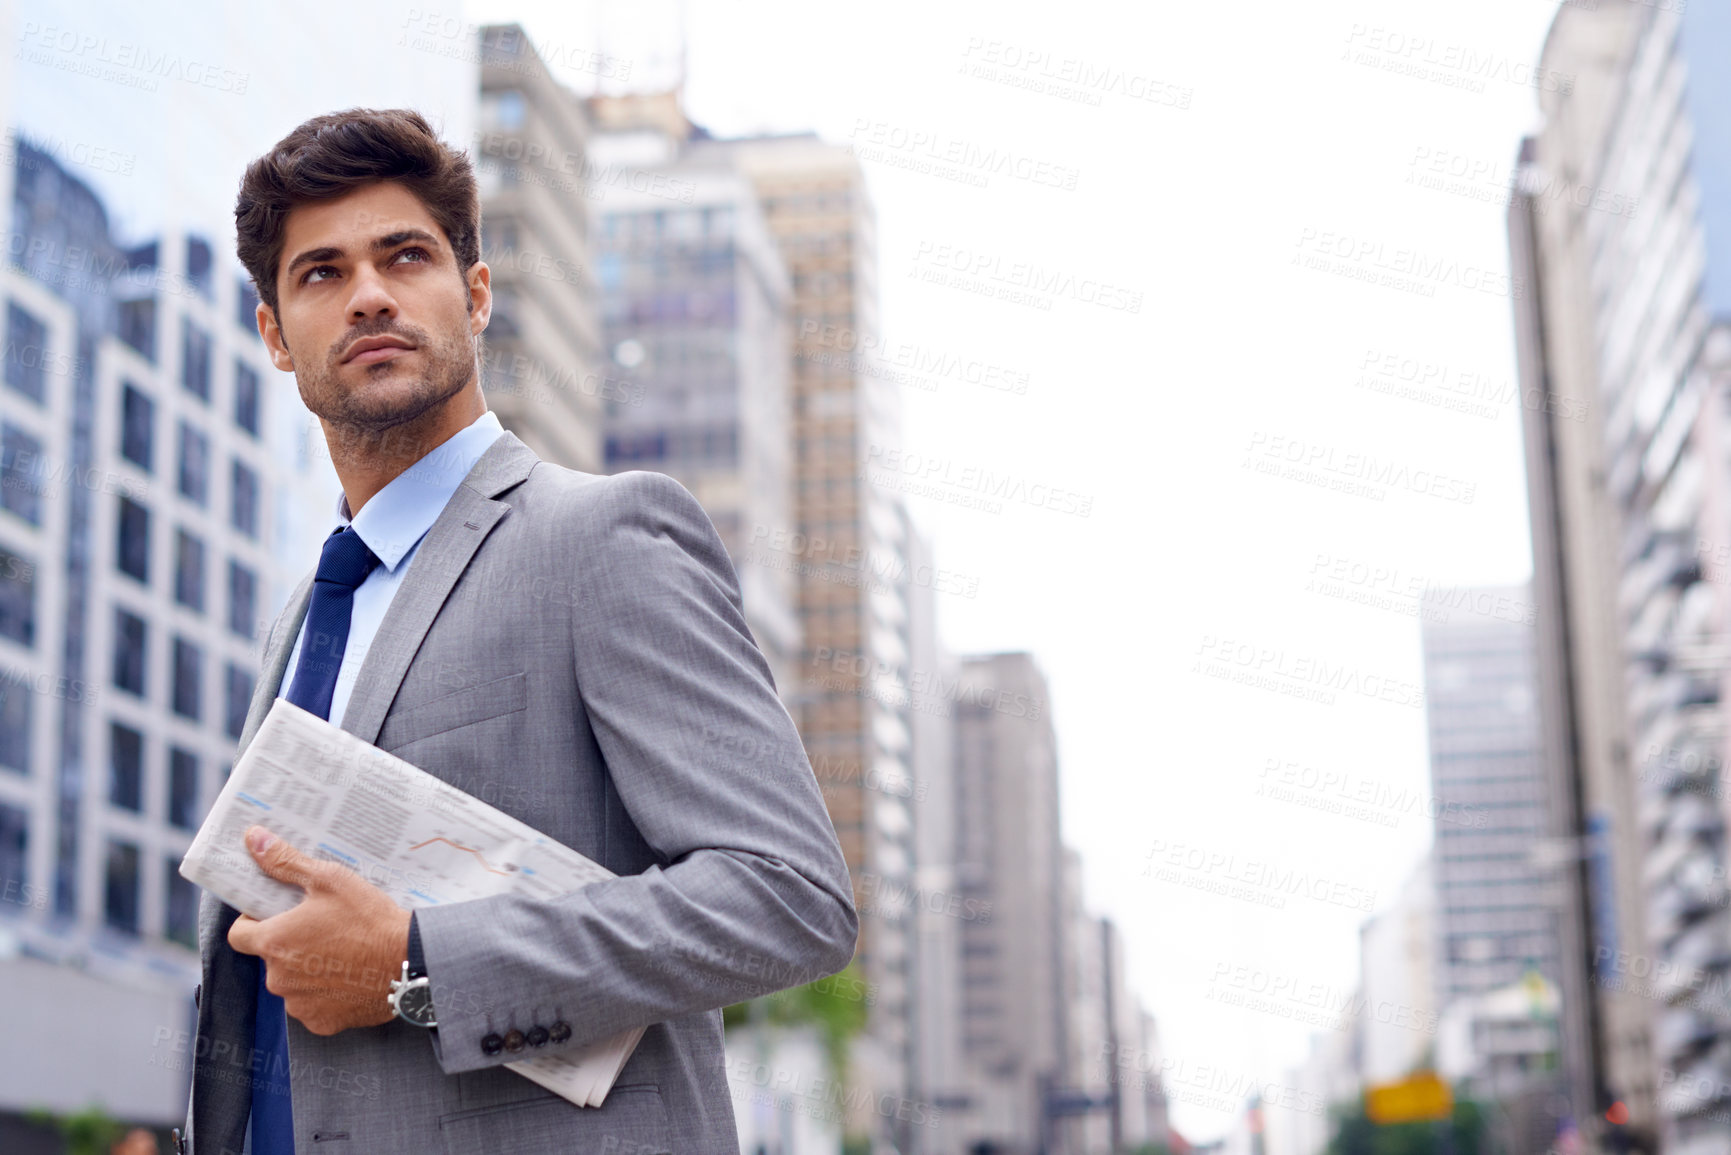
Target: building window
183,788
194,359
137,423
125,767
135,324
194,464
120,889
243,500
23,474
133,555
246,397
246,305
188,570
14,861
129,652
198,260
26,353
182,923
240,684
15,698
187,663
17,598
242,600
503,109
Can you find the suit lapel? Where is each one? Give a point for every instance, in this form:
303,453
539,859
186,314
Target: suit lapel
439,561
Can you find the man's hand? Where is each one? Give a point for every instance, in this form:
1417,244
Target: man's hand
332,958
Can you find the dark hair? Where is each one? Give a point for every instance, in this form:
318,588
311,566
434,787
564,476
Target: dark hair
332,155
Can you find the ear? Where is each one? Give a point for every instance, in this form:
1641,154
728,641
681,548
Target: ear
271,332
480,282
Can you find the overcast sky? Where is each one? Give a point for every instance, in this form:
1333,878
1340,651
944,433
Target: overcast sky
1303,137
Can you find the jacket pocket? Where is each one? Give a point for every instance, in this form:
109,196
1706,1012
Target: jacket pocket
633,1121
459,708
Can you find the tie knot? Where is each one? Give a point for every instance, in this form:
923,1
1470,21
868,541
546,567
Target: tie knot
345,560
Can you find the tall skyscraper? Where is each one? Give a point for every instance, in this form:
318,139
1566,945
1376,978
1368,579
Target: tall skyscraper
851,551
144,466
544,369
1087,1018
1497,904
1495,914
161,491
1624,220
1009,864
695,313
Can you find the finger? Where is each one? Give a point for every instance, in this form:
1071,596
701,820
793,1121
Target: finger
243,935
280,860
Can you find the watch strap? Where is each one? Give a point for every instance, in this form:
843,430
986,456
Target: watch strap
417,958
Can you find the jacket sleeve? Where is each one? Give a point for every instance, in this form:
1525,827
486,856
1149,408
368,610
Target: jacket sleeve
754,896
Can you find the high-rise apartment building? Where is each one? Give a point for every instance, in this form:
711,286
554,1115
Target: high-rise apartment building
1623,220
145,465
1497,903
544,371
1009,864
162,489
850,548
694,303
1087,1021
1495,906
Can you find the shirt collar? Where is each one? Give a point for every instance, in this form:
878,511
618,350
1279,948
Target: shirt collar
398,516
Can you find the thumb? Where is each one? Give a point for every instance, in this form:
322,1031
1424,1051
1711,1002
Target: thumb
278,859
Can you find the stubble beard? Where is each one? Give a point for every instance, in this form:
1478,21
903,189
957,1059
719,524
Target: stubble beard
366,415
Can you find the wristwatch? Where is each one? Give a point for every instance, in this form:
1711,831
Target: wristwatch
412,998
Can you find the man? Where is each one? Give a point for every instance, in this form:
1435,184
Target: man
568,646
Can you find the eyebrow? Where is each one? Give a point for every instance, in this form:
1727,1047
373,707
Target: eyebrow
379,245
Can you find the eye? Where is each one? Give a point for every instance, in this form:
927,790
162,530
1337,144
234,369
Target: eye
421,255
311,276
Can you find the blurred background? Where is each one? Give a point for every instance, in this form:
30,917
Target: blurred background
1237,500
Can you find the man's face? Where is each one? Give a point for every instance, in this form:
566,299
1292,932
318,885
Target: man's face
376,322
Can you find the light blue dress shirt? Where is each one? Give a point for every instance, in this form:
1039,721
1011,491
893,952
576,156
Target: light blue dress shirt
393,524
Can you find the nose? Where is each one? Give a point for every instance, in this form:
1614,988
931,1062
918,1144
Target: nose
370,295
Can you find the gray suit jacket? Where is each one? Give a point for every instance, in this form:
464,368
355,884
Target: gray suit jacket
570,648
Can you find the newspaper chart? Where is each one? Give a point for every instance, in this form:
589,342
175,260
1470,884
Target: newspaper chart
420,840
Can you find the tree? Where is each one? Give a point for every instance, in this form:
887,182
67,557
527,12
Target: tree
1355,1134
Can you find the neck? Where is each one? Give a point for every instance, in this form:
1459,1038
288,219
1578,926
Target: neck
367,460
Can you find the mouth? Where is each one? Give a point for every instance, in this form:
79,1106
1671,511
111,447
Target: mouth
375,349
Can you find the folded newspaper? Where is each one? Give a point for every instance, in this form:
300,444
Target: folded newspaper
420,840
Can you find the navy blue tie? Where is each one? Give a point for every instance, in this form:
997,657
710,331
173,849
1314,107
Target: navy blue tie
344,564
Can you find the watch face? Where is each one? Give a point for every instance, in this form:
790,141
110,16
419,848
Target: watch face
415,1002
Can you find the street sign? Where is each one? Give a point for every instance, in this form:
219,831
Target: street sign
1422,1096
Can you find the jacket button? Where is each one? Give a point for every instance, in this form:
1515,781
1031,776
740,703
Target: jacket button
560,1032
493,1044
537,1036
513,1040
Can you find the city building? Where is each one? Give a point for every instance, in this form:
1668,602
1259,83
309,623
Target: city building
147,455
938,1068
851,550
1498,905
1082,1081
161,491
1623,223
1397,969
1495,909
695,311
1009,862
544,371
